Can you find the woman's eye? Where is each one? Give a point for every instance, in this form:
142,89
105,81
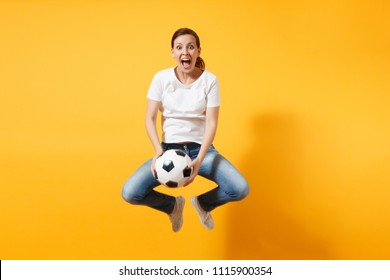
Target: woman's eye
191,47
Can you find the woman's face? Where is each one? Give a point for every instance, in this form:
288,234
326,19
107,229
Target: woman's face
185,52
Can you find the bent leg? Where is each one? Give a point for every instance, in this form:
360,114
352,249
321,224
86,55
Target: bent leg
232,186
138,190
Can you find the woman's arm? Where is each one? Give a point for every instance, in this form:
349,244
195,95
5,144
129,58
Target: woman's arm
210,131
151,129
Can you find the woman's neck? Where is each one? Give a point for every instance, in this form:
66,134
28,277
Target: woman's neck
188,78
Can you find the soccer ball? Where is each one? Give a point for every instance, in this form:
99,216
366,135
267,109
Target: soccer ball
172,168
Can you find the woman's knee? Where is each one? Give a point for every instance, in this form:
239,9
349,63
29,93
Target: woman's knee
136,187
242,191
129,195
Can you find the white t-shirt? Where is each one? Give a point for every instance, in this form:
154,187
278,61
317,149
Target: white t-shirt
183,107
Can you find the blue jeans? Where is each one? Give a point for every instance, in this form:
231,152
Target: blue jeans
232,186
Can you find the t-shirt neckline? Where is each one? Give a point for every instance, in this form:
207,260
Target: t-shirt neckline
184,85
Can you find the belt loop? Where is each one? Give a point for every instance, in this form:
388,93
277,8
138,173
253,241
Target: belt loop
186,149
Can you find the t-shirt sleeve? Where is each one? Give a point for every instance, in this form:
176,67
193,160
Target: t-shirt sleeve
213,96
155,89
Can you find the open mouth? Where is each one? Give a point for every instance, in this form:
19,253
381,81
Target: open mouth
186,62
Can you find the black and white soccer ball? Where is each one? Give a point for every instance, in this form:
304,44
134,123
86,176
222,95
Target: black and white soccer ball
172,168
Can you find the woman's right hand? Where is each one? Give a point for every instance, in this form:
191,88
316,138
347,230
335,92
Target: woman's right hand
152,166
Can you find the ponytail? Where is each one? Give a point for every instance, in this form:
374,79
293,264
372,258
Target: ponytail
200,63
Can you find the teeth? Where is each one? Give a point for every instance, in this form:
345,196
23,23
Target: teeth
186,62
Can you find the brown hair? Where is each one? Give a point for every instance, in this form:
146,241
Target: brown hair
185,31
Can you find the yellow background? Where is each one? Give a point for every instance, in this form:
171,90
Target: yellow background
305,117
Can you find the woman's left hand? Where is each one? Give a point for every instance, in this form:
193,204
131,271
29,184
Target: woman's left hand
195,164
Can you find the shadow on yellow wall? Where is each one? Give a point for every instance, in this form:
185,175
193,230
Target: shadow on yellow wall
264,226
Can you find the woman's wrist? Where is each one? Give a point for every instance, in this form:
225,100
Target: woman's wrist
159,151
